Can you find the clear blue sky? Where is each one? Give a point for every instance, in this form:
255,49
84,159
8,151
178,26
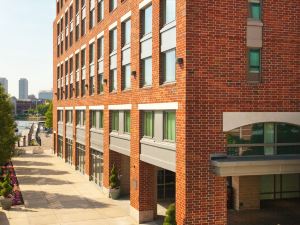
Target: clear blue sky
26,43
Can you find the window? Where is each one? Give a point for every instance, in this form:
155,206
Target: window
100,119
69,114
169,65
100,11
127,77
169,126
100,53
77,75
112,5
71,77
80,118
255,10
149,124
169,11
254,61
113,40
264,139
77,6
60,116
147,71
83,18
94,119
92,68
127,121
83,72
83,26
92,13
115,120
97,119
126,32
113,80
147,20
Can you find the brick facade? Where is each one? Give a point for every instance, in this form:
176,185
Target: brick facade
211,39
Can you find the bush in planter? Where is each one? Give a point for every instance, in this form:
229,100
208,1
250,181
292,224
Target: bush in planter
170,218
114,183
5,191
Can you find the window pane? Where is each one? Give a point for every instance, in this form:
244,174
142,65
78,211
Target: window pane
287,133
113,40
127,122
115,120
100,119
255,11
127,32
254,60
148,124
148,20
93,119
170,11
170,126
127,77
269,134
170,66
113,80
147,71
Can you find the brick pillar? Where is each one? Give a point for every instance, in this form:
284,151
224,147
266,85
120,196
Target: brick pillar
143,205
64,135
246,191
106,151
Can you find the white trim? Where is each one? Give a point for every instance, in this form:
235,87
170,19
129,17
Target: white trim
159,106
58,65
92,41
62,62
80,107
58,22
101,34
61,17
96,107
66,9
69,108
120,107
59,108
113,25
83,47
71,3
70,56
77,51
144,3
66,59
126,16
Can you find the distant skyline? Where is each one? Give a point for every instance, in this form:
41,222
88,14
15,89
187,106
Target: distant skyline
26,44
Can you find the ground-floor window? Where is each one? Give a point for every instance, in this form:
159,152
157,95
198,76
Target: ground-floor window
60,146
283,186
80,157
69,155
165,185
97,166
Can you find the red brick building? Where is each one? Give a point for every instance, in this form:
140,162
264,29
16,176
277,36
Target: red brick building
177,94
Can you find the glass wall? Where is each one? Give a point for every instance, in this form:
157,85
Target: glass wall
264,139
97,166
80,157
69,155
165,185
284,186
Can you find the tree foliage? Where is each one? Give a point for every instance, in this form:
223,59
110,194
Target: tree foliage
42,109
114,181
49,116
7,128
170,218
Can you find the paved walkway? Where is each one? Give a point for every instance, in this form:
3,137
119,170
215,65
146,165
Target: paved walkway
56,194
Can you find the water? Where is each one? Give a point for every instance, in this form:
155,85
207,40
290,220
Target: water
23,125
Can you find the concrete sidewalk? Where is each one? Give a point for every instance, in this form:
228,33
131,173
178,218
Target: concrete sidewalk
56,194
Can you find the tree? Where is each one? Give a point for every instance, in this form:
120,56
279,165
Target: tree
49,116
42,109
8,137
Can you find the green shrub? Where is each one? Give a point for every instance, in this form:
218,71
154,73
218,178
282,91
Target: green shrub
170,218
114,181
5,187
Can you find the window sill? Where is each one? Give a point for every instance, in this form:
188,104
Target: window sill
146,37
124,136
146,87
113,92
171,83
163,144
254,22
96,130
126,90
127,46
168,26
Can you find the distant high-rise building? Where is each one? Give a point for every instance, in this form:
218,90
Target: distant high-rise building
46,95
4,83
23,88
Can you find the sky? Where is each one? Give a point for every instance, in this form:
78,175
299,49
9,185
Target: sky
26,43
